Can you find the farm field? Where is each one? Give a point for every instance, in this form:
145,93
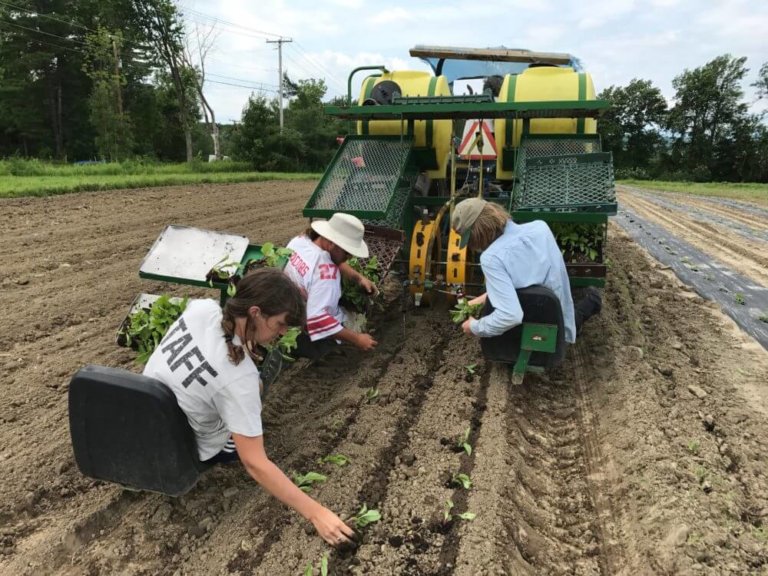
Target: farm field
644,453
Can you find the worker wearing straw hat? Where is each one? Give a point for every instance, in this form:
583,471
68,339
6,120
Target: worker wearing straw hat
317,264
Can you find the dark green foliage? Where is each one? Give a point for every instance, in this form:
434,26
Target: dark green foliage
146,327
578,242
353,295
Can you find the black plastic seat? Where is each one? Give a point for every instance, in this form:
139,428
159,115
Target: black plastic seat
540,306
129,429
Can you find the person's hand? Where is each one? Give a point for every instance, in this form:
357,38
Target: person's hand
368,286
466,326
365,342
331,528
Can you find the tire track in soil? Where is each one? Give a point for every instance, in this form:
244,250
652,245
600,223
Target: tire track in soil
553,523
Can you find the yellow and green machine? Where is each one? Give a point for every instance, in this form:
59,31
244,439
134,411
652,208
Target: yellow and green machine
400,171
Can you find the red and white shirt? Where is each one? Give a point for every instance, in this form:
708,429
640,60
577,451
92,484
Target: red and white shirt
312,269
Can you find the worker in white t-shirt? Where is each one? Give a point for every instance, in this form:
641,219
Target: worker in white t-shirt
207,359
317,264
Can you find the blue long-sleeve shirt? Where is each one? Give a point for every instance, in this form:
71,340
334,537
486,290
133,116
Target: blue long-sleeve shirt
524,255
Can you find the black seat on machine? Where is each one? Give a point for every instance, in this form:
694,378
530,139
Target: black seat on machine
540,306
128,428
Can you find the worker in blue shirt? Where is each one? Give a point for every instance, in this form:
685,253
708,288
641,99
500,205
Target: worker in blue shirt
516,256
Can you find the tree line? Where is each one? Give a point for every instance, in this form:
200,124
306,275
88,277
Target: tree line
120,79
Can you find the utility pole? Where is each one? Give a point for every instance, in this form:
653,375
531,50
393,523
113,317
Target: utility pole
117,79
280,72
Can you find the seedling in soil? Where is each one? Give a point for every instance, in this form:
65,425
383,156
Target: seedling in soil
306,481
365,517
763,318
693,447
739,298
339,459
371,394
448,517
471,369
463,442
309,569
462,480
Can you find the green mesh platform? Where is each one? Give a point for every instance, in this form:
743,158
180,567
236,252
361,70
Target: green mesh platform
370,177
564,175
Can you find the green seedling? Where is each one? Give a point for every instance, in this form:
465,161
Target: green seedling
339,459
464,310
352,293
463,442
739,298
309,569
365,517
578,242
462,480
306,481
371,394
471,369
763,318
146,327
273,256
447,516
287,343
694,447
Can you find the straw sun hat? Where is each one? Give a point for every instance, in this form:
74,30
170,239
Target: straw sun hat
344,230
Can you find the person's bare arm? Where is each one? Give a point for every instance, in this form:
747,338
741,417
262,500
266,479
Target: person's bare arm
359,339
328,525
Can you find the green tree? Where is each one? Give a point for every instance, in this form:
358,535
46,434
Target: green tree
707,106
112,123
762,81
631,129
164,30
252,137
317,130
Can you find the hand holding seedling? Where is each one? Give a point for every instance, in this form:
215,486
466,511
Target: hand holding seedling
466,327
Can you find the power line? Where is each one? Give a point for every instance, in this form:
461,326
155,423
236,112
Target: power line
238,79
243,86
42,32
68,49
246,30
46,15
331,77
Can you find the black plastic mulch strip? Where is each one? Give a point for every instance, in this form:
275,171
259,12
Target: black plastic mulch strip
739,297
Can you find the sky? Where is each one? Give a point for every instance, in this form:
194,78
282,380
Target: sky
616,41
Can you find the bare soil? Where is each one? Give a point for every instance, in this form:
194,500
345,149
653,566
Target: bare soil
644,453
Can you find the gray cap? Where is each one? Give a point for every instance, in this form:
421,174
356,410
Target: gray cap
464,215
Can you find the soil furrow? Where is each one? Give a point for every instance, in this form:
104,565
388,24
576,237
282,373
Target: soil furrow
749,258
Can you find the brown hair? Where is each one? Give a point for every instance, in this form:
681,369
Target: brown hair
488,226
269,289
